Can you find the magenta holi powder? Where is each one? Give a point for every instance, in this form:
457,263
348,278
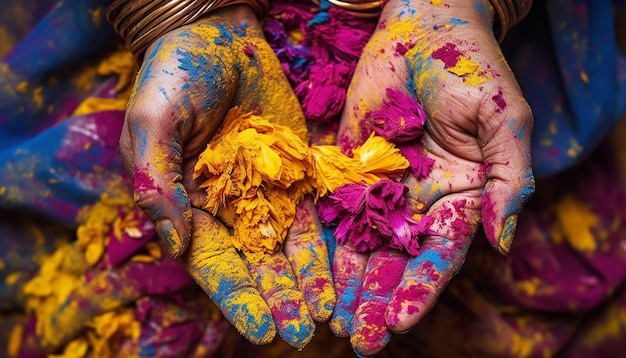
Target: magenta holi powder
384,272
498,99
142,181
448,54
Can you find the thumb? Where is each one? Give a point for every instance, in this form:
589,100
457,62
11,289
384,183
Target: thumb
508,167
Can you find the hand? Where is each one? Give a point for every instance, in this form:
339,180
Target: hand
478,135
188,80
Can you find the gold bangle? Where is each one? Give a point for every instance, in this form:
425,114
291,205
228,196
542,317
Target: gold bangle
358,8
509,13
141,22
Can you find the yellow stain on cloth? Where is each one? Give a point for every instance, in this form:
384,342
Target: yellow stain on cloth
119,63
62,273
577,222
260,171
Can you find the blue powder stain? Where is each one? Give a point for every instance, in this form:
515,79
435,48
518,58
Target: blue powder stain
147,351
482,8
329,306
411,87
169,73
296,333
349,296
331,243
512,123
240,30
143,138
225,34
417,64
149,60
322,16
180,195
514,205
200,70
457,21
434,258
261,329
224,287
217,41
164,92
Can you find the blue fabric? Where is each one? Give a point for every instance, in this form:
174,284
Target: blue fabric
567,61
53,163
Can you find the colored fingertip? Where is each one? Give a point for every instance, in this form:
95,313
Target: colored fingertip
171,239
248,313
347,298
293,322
508,233
370,335
319,294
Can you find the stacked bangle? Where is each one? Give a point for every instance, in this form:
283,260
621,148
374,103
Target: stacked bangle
509,13
141,22
360,8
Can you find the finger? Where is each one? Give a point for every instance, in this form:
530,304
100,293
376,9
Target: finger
456,218
348,269
509,172
216,266
277,285
159,131
383,273
307,252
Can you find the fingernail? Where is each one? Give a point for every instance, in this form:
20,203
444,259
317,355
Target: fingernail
171,240
508,232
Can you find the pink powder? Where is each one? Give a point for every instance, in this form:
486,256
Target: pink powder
401,48
385,270
143,181
499,101
402,296
489,215
448,54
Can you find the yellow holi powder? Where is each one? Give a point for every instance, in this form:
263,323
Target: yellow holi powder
119,63
12,278
154,254
77,348
15,341
471,72
38,96
584,77
212,262
613,326
260,171
93,233
528,287
7,41
22,87
49,289
108,329
575,149
436,2
96,15
94,104
577,221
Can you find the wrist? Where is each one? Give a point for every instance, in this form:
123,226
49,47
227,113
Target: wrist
496,16
141,22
